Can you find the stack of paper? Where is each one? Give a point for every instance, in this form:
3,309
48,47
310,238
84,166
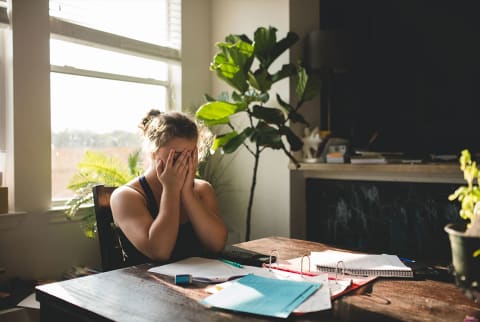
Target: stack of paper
205,270
262,295
287,292
318,301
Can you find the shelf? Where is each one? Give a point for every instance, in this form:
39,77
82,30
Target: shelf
428,173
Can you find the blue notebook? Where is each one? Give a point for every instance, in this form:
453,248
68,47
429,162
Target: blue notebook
262,295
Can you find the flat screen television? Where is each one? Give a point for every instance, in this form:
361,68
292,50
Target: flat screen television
413,83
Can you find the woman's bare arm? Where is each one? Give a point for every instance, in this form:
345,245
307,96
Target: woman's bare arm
155,238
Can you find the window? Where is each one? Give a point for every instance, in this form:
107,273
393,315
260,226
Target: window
106,74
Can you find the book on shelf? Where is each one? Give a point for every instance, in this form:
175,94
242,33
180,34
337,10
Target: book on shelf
368,159
372,157
336,157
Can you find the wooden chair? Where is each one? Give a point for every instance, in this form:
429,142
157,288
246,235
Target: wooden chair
110,247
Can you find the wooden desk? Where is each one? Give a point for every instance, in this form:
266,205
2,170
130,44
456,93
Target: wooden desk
133,294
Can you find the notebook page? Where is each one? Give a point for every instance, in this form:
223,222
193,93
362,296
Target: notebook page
201,269
360,264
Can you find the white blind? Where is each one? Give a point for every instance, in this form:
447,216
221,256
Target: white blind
152,21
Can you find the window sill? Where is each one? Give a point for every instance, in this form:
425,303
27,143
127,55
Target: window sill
56,215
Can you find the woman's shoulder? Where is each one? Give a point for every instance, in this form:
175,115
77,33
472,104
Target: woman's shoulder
204,189
202,184
129,191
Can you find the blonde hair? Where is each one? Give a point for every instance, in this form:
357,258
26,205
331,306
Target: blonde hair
160,127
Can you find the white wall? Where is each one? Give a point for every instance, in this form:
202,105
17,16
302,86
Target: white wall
196,44
270,214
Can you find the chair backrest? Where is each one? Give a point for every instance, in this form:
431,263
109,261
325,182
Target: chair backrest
110,247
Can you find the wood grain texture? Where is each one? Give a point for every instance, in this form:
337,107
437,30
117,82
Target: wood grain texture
134,294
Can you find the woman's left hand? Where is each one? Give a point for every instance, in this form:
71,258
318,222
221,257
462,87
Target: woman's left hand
191,172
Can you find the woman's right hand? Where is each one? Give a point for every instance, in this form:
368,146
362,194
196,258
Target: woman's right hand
171,173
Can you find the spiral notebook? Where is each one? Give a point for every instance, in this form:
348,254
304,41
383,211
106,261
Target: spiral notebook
361,264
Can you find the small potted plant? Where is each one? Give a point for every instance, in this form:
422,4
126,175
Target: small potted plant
465,237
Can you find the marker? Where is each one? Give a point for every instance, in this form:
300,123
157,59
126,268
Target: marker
183,279
226,261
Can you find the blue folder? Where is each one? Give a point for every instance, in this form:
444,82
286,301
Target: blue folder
262,295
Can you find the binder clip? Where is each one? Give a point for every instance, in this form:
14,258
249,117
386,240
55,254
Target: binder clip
272,258
337,269
301,264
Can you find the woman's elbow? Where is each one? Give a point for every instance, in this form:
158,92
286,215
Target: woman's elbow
218,244
158,255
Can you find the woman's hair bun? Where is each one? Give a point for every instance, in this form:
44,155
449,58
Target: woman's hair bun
153,113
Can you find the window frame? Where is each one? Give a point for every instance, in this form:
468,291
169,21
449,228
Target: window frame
27,103
72,32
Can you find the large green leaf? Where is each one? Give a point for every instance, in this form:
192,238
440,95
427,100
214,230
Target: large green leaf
265,135
266,47
301,82
293,140
221,140
268,114
307,88
296,117
236,141
239,53
264,44
284,44
216,112
284,104
234,38
287,70
229,72
260,80
233,62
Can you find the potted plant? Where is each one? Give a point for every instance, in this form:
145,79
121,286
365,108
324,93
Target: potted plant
97,168
465,237
245,64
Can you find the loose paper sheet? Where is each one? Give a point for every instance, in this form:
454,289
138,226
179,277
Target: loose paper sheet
263,296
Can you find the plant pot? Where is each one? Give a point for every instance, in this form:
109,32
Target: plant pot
466,268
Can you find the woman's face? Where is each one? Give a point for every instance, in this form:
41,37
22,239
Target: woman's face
177,144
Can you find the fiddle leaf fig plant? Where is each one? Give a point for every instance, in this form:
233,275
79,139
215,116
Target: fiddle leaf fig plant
245,65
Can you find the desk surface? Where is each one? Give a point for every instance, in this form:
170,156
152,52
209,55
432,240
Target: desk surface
133,294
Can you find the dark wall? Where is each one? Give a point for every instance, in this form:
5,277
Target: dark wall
414,77
393,217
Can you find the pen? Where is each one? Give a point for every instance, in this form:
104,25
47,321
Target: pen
288,270
407,260
226,261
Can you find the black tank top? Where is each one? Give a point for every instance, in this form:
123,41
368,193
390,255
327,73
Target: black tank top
187,243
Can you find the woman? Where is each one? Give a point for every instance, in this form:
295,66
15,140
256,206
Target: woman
168,214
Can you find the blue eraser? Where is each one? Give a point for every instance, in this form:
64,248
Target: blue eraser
183,279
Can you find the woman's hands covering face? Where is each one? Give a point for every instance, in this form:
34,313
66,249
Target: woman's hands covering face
172,173
192,170
178,171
